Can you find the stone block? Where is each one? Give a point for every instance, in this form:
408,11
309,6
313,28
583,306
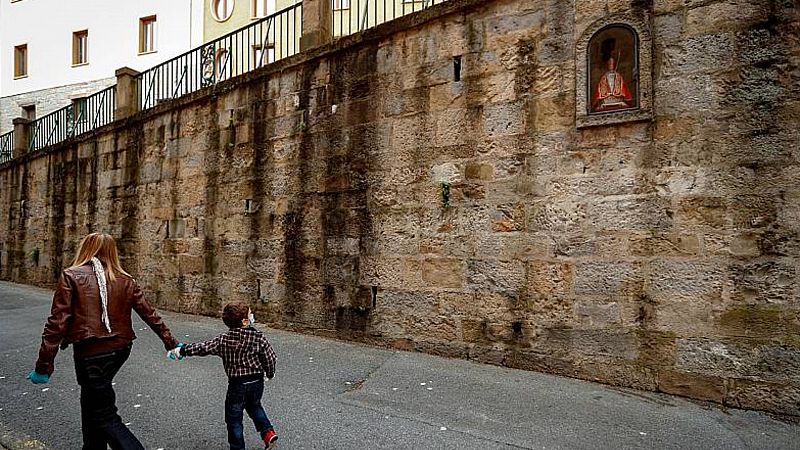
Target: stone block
478,171
686,94
508,246
692,385
451,127
608,278
507,277
638,213
443,272
548,279
551,113
700,54
565,216
685,279
508,218
597,315
664,244
770,283
725,15
618,373
605,344
781,398
503,120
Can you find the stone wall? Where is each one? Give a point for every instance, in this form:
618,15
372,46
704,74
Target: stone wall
660,255
47,100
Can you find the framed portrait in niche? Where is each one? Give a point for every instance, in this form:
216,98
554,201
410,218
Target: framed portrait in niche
613,72
613,63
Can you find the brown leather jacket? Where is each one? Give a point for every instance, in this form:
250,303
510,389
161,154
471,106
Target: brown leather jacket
76,316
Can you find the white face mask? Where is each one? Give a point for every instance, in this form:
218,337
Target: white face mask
252,319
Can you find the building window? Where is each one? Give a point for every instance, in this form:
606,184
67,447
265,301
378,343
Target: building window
21,61
341,4
262,58
222,9
222,60
79,109
147,34
80,47
259,9
29,112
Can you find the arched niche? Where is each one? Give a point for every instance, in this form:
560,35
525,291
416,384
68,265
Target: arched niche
614,72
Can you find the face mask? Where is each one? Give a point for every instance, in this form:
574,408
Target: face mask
252,319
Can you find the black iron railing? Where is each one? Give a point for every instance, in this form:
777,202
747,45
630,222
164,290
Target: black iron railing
81,116
274,37
95,111
51,128
352,16
6,147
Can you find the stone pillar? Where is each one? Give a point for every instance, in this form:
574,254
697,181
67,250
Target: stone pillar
317,24
22,133
127,93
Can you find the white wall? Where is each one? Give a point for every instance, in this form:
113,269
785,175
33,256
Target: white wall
46,26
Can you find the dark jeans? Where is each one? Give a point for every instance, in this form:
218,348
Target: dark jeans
100,423
244,395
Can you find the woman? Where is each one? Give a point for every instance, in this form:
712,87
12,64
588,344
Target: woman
92,311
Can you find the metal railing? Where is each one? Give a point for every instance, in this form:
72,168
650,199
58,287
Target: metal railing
81,116
6,147
267,40
352,16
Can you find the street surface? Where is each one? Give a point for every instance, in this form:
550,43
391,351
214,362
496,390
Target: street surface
334,395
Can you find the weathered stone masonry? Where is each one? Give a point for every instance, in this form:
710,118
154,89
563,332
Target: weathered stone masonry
661,254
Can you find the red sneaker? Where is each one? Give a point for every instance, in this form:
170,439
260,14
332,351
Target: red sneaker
270,437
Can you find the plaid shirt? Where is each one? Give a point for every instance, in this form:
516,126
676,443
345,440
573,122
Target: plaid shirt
244,351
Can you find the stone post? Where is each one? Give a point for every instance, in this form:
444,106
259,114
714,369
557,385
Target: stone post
127,93
317,24
22,133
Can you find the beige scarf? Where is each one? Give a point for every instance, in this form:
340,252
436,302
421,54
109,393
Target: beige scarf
100,274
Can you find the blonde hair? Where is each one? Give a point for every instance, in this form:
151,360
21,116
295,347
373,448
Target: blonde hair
102,246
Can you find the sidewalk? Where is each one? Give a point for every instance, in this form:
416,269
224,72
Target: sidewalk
330,394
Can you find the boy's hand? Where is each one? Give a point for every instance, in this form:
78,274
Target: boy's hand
38,378
175,353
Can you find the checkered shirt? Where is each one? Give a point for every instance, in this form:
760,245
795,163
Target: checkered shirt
244,351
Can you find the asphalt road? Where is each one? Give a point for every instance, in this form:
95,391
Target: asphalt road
331,395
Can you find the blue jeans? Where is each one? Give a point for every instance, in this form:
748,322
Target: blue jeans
244,395
100,423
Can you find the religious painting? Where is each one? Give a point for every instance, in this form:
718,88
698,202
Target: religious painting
613,54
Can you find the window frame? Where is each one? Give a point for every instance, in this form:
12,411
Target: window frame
80,105
29,111
76,48
256,48
20,63
340,7
213,5
144,23
254,9
222,64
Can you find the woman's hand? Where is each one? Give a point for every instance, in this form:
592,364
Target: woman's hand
38,378
175,353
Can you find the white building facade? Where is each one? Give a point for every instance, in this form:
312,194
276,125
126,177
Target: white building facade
53,52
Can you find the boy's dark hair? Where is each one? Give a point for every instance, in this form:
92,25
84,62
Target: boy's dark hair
234,313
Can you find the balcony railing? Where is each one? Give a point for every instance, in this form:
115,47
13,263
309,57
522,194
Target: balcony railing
274,37
266,40
352,16
79,117
6,146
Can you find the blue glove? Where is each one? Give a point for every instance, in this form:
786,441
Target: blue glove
175,353
38,378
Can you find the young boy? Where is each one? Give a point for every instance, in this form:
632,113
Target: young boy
247,358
